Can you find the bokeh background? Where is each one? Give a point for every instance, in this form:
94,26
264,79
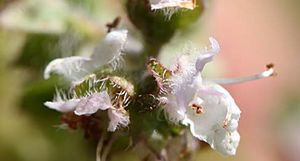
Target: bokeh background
251,34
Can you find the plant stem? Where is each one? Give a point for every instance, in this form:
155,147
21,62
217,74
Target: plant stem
99,147
107,148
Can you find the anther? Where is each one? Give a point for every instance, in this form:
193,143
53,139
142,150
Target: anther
225,124
269,66
199,109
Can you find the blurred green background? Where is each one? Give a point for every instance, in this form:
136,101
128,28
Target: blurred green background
251,34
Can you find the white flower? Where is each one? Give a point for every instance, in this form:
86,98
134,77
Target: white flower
76,67
171,6
208,109
213,117
89,105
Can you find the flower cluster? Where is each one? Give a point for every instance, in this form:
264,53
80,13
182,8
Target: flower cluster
187,98
89,94
202,104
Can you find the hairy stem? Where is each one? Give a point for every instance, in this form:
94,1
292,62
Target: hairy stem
108,147
99,147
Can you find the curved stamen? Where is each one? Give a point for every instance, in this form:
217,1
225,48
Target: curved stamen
267,73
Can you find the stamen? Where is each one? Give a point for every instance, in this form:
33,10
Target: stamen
267,73
225,123
199,109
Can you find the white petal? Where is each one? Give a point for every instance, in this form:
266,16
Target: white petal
174,111
183,74
63,106
220,113
180,97
76,67
117,118
92,103
188,67
72,68
110,49
207,57
202,124
184,88
225,142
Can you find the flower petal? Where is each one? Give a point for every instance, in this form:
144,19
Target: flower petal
209,55
202,124
76,67
72,68
219,117
173,111
183,89
63,106
225,142
184,72
117,118
110,49
92,103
